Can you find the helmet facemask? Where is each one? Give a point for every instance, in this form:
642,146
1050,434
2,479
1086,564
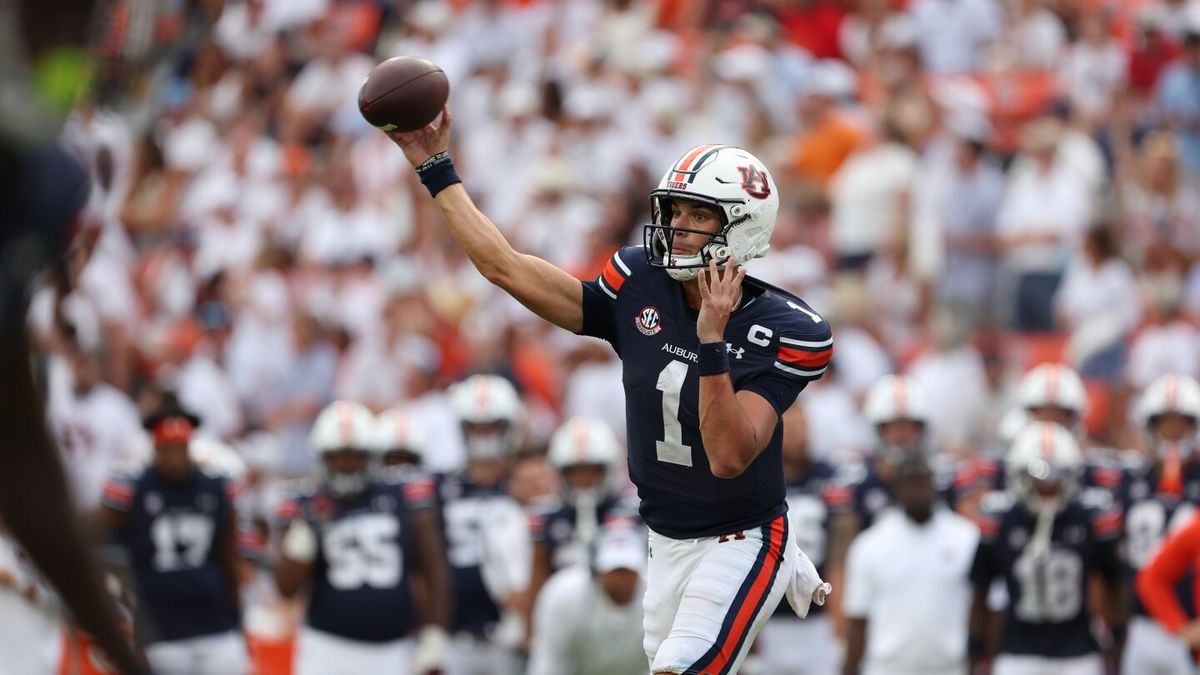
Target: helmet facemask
338,474
659,238
488,441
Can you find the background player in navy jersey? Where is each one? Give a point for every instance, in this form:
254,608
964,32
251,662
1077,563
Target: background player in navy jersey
177,525
1159,497
1046,539
711,359
583,450
812,497
487,534
360,546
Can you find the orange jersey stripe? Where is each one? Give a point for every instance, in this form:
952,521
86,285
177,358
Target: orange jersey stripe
799,357
613,277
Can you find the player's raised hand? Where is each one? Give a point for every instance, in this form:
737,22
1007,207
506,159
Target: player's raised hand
720,290
426,142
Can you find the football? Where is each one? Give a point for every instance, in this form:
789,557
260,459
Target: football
403,94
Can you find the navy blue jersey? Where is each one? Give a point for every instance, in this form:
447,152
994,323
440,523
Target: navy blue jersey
555,527
463,505
361,584
867,494
812,498
776,344
1047,612
172,533
1150,514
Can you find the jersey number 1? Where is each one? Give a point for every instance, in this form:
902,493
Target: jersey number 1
671,448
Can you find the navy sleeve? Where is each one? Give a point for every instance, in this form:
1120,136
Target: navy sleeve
600,297
803,352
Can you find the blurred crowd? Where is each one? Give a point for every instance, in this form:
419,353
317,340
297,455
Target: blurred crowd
969,188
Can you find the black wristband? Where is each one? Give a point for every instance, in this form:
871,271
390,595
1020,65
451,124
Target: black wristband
714,359
437,173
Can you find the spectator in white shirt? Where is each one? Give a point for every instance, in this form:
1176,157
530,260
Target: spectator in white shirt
953,34
1033,39
908,596
1042,219
1168,343
97,427
588,619
1093,71
1098,304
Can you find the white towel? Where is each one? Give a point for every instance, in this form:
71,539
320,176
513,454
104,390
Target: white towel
805,586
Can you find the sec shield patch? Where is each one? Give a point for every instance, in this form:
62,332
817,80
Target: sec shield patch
647,321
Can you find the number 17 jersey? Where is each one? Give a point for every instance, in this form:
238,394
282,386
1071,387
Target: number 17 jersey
776,346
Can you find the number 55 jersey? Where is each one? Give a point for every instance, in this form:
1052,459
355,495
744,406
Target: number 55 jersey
360,584
776,346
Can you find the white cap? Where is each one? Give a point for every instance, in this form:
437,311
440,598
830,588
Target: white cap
1170,394
395,429
343,424
620,548
583,440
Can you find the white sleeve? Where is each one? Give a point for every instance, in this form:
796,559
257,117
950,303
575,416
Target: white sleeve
552,614
507,552
857,586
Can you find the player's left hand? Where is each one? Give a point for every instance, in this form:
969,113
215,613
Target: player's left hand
720,290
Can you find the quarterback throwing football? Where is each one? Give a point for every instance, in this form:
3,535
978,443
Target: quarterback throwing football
711,359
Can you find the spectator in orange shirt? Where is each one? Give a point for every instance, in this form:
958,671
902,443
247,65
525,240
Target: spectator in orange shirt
1157,586
828,137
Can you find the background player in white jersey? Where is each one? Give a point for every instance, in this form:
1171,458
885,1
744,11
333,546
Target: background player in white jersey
908,591
588,619
1047,539
1159,497
487,534
97,426
813,497
360,546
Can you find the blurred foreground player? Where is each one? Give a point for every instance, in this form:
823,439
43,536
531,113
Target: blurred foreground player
177,525
711,359
360,546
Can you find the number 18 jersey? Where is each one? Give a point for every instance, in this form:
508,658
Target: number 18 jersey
776,346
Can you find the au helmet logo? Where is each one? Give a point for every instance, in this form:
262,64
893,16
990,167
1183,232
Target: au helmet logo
754,182
647,321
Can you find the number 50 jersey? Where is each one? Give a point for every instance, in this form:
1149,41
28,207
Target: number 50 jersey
360,586
776,346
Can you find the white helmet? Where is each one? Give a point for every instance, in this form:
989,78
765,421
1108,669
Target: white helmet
398,431
1170,394
482,401
1053,385
1044,451
583,440
895,397
729,179
217,458
343,425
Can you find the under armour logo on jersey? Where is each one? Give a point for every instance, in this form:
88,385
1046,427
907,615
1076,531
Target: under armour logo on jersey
735,352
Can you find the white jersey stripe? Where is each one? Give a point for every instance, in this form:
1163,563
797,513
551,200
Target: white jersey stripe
621,263
797,371
604,287
802,343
